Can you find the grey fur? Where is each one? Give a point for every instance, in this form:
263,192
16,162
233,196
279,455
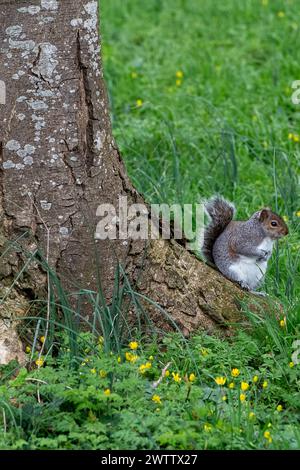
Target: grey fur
240,249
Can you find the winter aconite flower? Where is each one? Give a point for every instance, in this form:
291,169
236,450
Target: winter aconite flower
242,397
176,377
279,408
130,357
235,372
224,397
107,392
167,373
133,345
207,427
251,415
156,399
93,371
179,74
267,435
291,364
244,386
231,385
192,378
293,137
255,379
298,214
28,349
42,339
139,103
102,373
144,367
39,362
282,323
220,380
265,384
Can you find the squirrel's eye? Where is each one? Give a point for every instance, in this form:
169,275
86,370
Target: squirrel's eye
274,223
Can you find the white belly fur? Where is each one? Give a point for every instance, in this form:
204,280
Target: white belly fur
248,270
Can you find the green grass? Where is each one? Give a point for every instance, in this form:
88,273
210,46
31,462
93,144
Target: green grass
223,128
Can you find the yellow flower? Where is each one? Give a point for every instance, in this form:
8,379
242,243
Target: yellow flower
281,14
242,397
244,386
107,392
204,352
133,345
28,349
42,339
179,74
151,358
176,377
267,435
207,427
139,103
167,373
235,372
93,371
220,380
291,364
298,213
156,399
192,378
285,218
39,362
282,322
279,408
251,415
134,75
290,136
102,373
144,367
255,379
224,397
130,357
296,138
119,359
231,385
265,384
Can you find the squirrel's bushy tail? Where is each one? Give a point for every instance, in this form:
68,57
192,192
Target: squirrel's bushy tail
221,213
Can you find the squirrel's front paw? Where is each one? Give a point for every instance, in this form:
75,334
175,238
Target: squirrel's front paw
264,255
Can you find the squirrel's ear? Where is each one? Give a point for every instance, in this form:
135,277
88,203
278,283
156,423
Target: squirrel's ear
263,214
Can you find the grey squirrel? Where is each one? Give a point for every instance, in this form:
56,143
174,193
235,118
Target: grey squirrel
240,249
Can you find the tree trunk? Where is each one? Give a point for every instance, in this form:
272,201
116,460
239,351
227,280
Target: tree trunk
59,162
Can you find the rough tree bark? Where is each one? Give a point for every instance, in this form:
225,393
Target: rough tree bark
59,162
